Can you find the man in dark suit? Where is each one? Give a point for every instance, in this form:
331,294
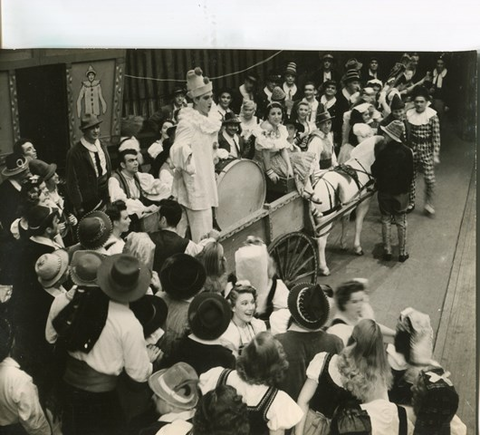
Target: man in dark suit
88,169
326,72
246,91
16,170
265,95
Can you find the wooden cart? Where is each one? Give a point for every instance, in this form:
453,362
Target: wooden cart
288,228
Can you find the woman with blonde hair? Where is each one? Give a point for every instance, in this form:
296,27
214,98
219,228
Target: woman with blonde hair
360,371
213,259
260,368
140,246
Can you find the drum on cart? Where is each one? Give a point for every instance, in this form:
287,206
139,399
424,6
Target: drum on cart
242,190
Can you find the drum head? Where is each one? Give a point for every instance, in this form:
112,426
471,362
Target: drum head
241,191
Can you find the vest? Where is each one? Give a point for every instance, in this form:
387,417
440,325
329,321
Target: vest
325,156
124,185
328,394
167,243
257,415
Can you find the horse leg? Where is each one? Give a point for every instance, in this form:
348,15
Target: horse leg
361,212
345,219
322,261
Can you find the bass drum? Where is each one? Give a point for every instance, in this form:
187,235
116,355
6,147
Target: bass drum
241,190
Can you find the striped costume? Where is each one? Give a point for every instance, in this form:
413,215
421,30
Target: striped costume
425,143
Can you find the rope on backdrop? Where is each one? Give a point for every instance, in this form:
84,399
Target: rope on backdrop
268,59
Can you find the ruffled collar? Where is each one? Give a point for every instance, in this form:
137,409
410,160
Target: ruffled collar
206,124
423,118
327,103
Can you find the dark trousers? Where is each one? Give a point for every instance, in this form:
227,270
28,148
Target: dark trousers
89,413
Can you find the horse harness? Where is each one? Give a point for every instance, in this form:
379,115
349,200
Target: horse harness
345,170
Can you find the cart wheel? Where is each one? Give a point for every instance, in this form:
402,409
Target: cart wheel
296,258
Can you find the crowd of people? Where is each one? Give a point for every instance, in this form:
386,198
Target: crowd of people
109,327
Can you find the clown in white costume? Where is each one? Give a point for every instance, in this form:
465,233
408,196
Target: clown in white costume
193,154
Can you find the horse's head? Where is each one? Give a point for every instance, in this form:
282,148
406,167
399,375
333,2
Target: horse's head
364,152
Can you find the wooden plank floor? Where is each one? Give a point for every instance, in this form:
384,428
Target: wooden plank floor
455,346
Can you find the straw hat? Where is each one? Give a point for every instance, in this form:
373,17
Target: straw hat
176,385
396,129
51,267
84,267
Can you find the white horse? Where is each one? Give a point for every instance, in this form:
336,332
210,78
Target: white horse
340,187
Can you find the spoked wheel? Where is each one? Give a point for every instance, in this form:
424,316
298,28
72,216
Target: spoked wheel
296,258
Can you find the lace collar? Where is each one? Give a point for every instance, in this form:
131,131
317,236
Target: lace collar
206,124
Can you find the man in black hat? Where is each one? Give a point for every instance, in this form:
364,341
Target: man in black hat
88,169
321,140
326,72
177,101
228,137
245,92
16,170
274,79
309,308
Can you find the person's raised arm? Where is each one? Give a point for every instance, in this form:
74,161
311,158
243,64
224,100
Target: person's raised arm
306,394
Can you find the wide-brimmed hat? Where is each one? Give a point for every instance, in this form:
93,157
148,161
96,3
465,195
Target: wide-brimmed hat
182,276
38,217
176,385
123,278
89,120
14,164
209,315
397,103
84,267
396,129
308,305
327,56
44,170
94,230
291,68
197,84
151,311
6,338
351,75
51,267
322,114
231,118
